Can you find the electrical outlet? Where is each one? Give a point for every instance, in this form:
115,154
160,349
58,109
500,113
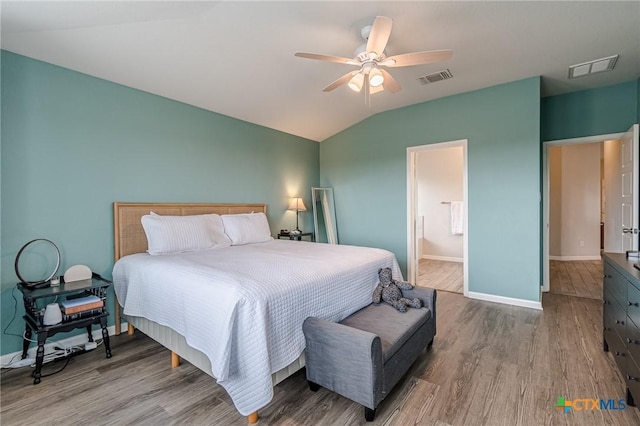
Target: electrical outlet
581,243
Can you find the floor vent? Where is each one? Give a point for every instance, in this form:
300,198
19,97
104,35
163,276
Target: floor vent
436,76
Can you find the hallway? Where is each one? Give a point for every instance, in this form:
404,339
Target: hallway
581,278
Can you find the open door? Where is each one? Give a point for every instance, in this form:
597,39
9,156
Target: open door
629,174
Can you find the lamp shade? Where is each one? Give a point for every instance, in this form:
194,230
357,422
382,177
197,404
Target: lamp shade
375,77
297,205
356,82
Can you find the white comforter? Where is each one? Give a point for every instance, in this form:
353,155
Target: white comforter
243,306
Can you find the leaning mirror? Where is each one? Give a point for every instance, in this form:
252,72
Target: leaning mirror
324,215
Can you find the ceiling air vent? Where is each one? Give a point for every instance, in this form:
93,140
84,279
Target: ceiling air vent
593,67
436,76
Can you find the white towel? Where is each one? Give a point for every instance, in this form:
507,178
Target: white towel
457,217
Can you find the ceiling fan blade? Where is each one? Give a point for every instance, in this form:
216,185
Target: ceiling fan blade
417,58
327,58
390,83
339,82
379,35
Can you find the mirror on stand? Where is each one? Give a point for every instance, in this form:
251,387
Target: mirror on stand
324,215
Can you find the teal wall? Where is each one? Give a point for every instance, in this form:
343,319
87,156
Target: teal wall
367,167
73,144
600,111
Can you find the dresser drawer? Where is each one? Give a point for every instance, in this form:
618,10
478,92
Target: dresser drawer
615,283
633,304
614,315
617,349
632,339
633,380
610,307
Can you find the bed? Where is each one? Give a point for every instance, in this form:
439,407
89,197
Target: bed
244,325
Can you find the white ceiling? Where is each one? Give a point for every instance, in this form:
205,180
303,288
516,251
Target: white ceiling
236,57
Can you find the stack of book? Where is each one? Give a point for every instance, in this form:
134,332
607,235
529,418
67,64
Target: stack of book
81,307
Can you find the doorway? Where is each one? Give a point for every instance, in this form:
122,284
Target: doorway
582,198
582,182
437,216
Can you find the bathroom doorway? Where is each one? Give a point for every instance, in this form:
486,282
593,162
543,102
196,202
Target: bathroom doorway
437,216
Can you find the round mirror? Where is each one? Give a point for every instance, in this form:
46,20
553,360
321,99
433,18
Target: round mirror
37,262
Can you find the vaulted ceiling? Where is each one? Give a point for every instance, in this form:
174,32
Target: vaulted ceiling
237,57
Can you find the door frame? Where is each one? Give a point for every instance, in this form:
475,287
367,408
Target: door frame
545,193
412,152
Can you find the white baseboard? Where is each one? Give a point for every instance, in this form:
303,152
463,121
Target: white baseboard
569,258
443,258
505,300
77,340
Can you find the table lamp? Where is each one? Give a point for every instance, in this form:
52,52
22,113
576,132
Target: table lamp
297,205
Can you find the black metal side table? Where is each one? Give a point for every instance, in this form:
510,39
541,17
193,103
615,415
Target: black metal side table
33,317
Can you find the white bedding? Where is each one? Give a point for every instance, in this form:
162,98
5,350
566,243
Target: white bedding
243,306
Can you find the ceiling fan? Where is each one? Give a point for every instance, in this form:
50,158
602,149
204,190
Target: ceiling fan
372,60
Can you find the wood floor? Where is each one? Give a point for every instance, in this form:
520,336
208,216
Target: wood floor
441,275
490,364
581,278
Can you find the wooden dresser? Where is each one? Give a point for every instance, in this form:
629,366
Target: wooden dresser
621,318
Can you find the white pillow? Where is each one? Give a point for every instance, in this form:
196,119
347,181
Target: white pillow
246,228
179,234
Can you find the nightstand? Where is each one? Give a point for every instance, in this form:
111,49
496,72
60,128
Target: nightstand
33,317
297,237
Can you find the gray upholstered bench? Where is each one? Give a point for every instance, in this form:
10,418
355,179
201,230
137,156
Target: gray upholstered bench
366,354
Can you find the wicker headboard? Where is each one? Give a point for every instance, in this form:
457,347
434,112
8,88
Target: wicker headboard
129,237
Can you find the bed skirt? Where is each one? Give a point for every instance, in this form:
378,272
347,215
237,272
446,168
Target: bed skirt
175,342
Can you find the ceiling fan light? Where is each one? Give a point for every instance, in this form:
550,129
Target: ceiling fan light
375,78
356,82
